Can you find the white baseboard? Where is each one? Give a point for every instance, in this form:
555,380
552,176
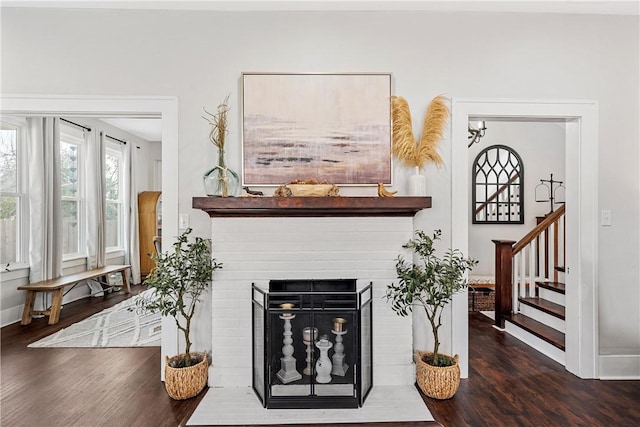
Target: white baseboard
10,315
619,367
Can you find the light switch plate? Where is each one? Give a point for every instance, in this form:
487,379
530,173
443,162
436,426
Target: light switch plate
183,221
605,218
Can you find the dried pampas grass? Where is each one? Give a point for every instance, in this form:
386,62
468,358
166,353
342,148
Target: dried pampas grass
405,147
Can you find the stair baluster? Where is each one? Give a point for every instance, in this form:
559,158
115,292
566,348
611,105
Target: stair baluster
517,264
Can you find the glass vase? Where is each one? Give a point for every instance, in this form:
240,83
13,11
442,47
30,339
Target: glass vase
220,181
417,184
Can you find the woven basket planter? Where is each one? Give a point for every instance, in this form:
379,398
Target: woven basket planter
437,382
184,383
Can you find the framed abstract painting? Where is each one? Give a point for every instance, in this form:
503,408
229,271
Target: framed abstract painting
311,126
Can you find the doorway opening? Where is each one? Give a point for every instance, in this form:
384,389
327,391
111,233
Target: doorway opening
165,108
580,120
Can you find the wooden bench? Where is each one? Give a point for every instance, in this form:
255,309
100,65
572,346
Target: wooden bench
57,287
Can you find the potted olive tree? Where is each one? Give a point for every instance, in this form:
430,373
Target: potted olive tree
430,283
178,280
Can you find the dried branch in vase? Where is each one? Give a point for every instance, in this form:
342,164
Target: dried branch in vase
218,122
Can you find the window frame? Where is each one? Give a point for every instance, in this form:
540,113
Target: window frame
21,193
76,137
115,149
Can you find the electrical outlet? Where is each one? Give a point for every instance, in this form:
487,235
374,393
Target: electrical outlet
605,218
183,221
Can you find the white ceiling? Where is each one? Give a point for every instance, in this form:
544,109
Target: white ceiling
147,129
620,7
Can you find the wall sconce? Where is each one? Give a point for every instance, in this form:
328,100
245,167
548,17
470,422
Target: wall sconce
476,133
545,192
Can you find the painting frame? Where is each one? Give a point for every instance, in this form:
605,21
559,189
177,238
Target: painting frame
333,127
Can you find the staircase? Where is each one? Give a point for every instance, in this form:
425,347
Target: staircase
530,292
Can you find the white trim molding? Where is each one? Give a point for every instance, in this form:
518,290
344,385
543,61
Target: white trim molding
619,367
581,123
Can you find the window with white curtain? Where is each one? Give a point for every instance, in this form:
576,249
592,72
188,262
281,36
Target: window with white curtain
72,182
13,196
114,191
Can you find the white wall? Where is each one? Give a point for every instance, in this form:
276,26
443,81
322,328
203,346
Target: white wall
153,157
148,151
199,56
541,148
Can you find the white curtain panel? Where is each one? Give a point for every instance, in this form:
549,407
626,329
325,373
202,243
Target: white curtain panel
95,200
132,240
45,203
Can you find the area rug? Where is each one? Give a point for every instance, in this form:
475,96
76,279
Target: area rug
240,406
113,327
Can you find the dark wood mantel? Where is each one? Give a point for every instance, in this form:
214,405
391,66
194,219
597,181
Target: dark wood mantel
310,206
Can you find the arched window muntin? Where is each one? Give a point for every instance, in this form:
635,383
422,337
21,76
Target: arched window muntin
497,186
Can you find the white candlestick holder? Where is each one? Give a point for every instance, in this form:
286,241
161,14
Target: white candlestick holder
308,341
287,372
339,366
323,365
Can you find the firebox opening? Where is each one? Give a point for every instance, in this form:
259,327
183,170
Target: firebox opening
312,343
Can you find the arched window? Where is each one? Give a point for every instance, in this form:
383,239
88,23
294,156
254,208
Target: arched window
498,192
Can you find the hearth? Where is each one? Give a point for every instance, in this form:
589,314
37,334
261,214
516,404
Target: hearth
312,343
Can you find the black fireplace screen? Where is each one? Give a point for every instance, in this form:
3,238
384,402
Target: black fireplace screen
312,344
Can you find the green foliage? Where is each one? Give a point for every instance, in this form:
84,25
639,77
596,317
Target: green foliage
431,283
178,280
8,174
8,207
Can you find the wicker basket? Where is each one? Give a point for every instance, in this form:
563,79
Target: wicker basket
184,383
437,382
482,299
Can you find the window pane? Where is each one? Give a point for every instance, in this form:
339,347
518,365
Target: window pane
112,177
8,229
112,238
69,169
70,227
8,161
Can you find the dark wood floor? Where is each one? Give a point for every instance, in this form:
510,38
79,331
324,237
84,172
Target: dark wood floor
509,384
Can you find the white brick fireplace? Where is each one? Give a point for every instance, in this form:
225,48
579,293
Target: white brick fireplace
256,249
